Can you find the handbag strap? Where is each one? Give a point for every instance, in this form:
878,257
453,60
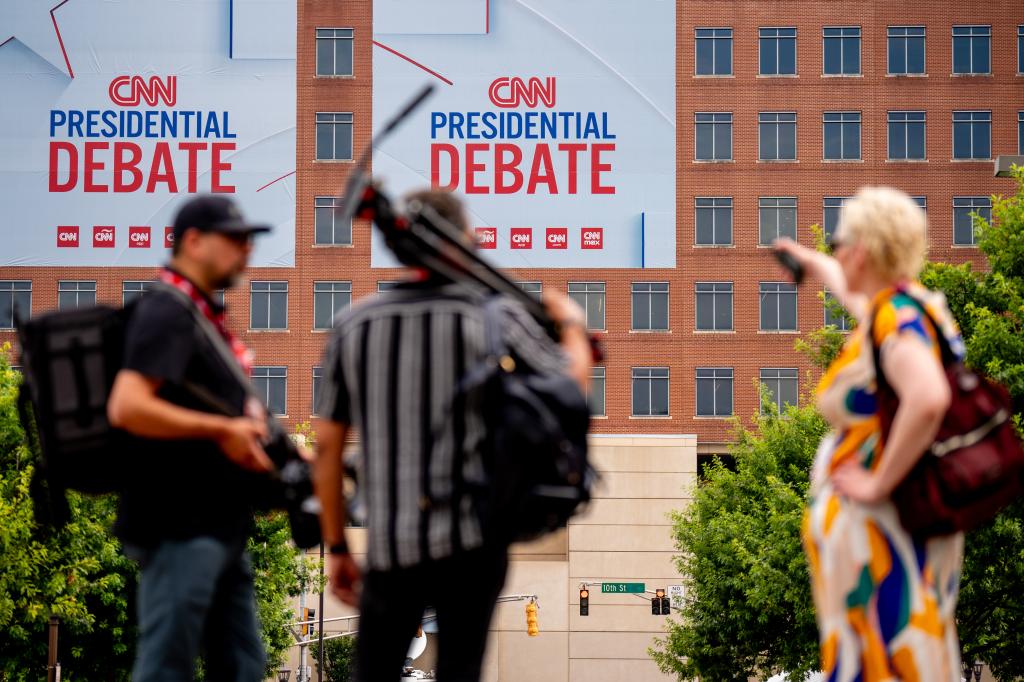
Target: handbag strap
948,357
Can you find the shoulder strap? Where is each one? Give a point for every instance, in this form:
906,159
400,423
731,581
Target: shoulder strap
948,358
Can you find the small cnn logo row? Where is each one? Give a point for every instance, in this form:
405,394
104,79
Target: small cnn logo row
554,237
105,237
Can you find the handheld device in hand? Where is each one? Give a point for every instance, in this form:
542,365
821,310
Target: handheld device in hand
791,264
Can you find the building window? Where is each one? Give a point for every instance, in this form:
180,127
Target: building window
534,289
777,47
650,306
777,136
972,135
590,297
386,285
595,392
830,210
713,219
1020,133
650,391
778,307
922,202
972,50
271,384
329,228
318,373
842,50
835,315
329,299
842,135
714,51
15,301
714,391
963,218
713,134
75,294
334,51
218,297
133,290
782,387
1020,49
776,218
268,305
906,50
333,137
714,306
907,135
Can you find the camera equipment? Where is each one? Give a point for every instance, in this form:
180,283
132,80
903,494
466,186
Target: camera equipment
791,264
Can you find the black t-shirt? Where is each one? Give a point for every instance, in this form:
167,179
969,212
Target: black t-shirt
181,488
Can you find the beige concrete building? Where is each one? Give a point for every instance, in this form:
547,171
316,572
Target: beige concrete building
624,536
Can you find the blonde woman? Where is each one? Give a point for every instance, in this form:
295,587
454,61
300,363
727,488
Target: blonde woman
885,601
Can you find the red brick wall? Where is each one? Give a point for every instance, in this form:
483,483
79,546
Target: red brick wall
681,349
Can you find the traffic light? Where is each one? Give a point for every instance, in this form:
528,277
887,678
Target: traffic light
532,629
307,615
584,601
660,604
666,606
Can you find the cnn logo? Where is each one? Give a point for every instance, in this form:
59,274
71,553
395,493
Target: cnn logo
138,237
487,237
592,238
509,92
103,237
522,238
557,238
67,236
130,91
168,237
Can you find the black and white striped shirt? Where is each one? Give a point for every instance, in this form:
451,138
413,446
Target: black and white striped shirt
391,369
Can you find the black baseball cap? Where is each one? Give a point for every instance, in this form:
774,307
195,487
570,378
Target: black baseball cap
213,213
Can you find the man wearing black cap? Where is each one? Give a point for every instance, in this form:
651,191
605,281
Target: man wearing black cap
187,517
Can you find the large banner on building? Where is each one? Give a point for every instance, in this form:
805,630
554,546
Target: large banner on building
112,112
554,119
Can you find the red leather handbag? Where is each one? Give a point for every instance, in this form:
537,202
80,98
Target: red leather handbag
974,468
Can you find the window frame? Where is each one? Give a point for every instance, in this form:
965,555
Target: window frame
13,287
825,207
714,293
587,292
906,38
332,203
1020,133
143,287
334,122
777,126
906,123
713,207
697,38
790,290
1020,50
337,288
971,122
650,378
842,51
255,376
842,123
973,203
78,290
970,37
730,380
844,325
777,38
534,288
635,289
318,375
778,379
778,207
351,38
253,291
598,373
713,123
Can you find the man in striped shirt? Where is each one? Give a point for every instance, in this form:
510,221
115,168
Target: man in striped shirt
391,369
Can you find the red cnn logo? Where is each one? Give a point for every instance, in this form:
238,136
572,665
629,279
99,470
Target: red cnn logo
138,237
592,238
557,238
103,237
67,236
509,93
168,237
129,91
487,237
522,238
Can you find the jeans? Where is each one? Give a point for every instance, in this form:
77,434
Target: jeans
461,588
196,595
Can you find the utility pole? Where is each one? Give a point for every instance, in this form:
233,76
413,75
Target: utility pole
301,677
52,666
320,629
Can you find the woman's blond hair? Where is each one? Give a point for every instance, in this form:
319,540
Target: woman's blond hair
890,226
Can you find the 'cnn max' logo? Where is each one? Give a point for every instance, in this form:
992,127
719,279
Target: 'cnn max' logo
509,92
138,237
103,237
592,238
130,91
487,237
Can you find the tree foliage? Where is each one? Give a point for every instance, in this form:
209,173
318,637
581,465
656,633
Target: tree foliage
339,658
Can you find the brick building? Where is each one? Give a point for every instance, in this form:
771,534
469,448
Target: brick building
782,110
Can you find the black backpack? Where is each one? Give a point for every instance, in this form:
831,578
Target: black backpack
535,451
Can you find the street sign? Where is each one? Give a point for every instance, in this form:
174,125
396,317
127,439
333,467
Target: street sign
629,588
675,595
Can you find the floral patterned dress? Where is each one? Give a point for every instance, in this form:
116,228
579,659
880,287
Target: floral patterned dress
884,602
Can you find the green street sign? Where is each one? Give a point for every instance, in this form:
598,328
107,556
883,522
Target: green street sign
628,588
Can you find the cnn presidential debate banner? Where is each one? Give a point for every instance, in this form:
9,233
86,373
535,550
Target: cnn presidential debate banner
555,119
113,111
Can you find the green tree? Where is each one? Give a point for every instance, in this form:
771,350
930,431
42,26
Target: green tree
339,658
748,607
